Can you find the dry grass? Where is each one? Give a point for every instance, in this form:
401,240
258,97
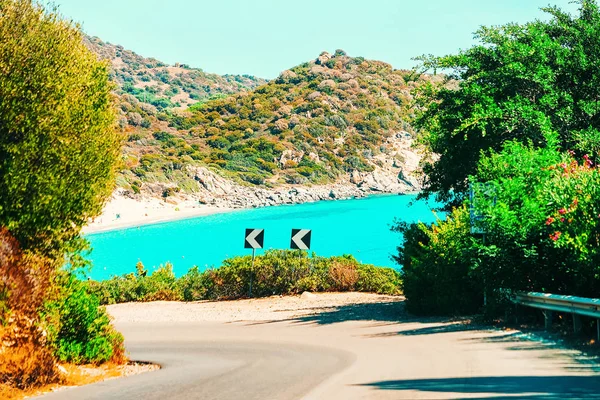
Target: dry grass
343,275
79,375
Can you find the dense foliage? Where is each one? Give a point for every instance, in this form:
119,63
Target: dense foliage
521,83
521,128
58,146
275,272
315,122
439,263
58,150
79,330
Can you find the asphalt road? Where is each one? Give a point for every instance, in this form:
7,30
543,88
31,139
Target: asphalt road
350,353
196,369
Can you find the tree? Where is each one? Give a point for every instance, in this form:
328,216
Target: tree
58,143
58,153
522,82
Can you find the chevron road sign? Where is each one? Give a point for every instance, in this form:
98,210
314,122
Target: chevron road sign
255,239
300,239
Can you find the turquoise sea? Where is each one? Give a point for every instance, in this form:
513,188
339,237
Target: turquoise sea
360,227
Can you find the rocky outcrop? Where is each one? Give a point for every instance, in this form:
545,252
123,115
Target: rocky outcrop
393,172
216,190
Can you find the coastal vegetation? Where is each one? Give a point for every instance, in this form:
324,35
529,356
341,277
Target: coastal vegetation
160,87
277,272
316,122
58,155
517,139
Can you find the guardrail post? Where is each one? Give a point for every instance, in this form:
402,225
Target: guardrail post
548,319
576,323
598,328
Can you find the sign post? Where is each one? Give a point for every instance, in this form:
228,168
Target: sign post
300,241
480,196
254,239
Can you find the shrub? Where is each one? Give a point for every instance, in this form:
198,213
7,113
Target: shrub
27,365
25,279
438,273
160,285
275,272
343,274
196,285
163,136
378,280
80,331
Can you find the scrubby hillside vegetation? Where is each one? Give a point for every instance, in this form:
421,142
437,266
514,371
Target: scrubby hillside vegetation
334,118
160,86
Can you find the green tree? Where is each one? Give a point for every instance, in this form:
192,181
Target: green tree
58,143
58,153
521,83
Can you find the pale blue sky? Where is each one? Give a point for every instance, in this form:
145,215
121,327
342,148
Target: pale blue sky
264,37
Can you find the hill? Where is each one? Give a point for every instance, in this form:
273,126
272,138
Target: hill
163,86
334,120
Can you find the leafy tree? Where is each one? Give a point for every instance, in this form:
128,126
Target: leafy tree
58,145
521,83
58,150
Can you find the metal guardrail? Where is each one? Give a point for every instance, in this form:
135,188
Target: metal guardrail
568,304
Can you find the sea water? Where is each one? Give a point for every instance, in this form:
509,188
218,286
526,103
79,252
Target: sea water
360,227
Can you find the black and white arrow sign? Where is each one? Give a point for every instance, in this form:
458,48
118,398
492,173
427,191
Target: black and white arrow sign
255,238
300,239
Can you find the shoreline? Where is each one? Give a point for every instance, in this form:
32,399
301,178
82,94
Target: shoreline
175,216
122,213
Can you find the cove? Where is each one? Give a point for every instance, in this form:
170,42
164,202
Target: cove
360,227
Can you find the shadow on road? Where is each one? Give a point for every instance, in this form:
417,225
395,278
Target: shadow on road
382,313
392,311
503,387
441,326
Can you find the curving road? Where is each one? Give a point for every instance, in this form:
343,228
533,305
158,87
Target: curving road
353,351
195,369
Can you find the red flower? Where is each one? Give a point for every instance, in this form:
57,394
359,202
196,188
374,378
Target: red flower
563,220
562,211
549,220
555,236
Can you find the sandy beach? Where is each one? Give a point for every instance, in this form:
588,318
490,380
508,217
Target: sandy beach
123,212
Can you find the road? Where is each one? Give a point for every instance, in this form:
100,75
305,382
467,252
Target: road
263,349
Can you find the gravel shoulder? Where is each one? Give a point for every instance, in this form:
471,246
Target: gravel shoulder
275,308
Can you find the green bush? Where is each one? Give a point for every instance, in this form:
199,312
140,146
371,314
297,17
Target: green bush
275,272
378,280
81,331
439,273
160,285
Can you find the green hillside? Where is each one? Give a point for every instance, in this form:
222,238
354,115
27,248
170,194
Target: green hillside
163,86
313,124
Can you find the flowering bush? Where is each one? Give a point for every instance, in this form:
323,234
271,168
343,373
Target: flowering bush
543,227
542,233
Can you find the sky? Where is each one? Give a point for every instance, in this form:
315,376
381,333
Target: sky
265,37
